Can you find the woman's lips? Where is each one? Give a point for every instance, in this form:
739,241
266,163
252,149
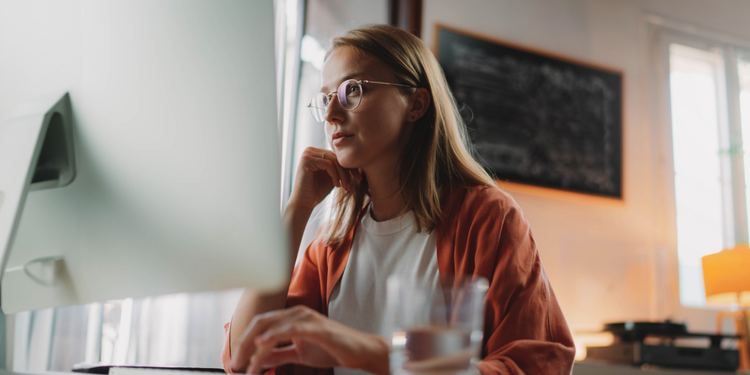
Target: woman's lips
339,138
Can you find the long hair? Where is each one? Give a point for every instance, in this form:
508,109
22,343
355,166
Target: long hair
437,152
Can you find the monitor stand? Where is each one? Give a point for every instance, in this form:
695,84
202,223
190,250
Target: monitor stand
36,152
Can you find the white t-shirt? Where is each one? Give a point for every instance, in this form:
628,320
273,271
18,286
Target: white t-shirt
381,249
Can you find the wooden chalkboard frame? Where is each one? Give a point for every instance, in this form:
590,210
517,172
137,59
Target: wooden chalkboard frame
557,192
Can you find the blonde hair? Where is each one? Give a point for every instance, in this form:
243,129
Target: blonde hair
437,153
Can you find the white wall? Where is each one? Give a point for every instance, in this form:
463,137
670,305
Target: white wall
606,263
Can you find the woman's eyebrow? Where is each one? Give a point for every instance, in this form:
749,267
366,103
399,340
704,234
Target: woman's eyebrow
326,90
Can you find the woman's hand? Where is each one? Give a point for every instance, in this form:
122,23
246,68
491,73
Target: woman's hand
316,341
318,173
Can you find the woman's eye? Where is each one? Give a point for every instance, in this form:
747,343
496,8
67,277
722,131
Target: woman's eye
352,90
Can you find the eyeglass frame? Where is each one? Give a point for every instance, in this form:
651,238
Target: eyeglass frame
359,83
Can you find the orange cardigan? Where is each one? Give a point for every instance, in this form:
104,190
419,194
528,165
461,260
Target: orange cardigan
483,233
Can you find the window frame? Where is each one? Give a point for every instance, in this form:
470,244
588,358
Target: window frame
662,33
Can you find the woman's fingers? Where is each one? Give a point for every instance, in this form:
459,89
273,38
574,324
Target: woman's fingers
256,361
344,179
326,159
282,321
344,176
303,331
282,356
319,171
320,164
258,326
267,355
282,333
318,342
339,175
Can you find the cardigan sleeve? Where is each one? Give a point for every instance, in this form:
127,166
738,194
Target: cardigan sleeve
525,330
309,277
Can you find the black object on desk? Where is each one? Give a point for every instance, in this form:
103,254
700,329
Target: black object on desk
629,347
104,369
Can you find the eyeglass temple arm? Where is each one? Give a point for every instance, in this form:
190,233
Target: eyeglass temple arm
388,83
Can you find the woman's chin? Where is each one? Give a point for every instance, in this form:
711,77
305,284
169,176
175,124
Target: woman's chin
347,161
348,165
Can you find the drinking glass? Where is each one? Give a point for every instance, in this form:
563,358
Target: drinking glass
435,331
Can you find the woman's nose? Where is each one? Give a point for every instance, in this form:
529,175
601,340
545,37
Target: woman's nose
335,112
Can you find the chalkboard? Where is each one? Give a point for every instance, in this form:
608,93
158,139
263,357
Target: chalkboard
538,119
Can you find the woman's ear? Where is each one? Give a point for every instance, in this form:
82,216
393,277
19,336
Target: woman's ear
418,104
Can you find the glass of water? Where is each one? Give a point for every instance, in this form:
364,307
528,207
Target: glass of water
435,330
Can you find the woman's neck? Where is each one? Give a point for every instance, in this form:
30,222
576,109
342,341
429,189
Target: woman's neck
385,194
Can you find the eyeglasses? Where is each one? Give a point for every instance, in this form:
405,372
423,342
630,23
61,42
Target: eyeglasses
349,94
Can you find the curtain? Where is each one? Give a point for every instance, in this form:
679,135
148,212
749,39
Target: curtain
172,330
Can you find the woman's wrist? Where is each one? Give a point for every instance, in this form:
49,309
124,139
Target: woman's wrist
296,206
378,362
295,219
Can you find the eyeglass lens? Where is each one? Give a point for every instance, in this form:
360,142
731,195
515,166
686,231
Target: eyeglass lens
349,95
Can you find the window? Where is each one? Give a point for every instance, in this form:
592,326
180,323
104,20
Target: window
743,73
709,87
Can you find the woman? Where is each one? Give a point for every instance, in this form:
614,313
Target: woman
410,200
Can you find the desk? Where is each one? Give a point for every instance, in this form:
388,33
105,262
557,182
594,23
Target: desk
580,368
597,368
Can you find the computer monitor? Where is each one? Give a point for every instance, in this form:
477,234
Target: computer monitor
169,180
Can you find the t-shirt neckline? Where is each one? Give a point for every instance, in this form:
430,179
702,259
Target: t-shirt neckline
388,227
